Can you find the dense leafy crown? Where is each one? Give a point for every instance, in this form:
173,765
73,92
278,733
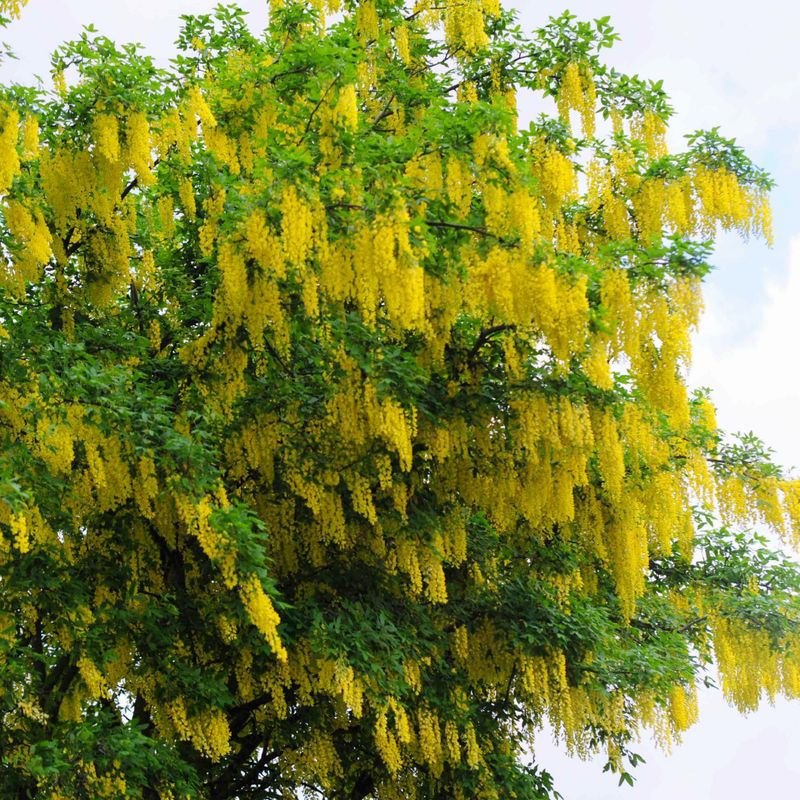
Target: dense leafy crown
345,434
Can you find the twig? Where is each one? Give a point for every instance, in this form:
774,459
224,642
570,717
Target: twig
434,223
485,336
385,112
317,108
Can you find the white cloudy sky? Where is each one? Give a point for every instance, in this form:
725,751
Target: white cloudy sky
730,64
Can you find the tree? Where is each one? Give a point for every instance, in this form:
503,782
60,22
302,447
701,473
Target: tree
345,431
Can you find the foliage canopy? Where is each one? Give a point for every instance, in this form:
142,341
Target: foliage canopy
344,429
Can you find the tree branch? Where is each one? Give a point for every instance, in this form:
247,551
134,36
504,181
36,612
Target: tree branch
689,625
317,108
485,336
385,112
457,226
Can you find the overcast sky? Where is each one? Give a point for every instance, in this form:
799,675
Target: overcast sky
730,64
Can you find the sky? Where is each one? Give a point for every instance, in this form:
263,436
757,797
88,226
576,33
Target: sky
729,64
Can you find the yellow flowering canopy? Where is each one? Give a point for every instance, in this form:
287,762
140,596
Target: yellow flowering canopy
345,431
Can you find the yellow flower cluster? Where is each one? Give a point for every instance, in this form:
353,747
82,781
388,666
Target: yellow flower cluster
723,199
683,707
464,25
318,761
33,236
198,107
651,130
555,174
106,136
577,93
367,24
296,226
30,137
401,42
262,613
9,157
13,8
387,745
213,543
347,106
110,784
429,737
208,731
92,677
750,667
692,204
139,148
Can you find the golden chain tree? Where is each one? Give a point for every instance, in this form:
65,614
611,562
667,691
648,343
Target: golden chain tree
345,432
